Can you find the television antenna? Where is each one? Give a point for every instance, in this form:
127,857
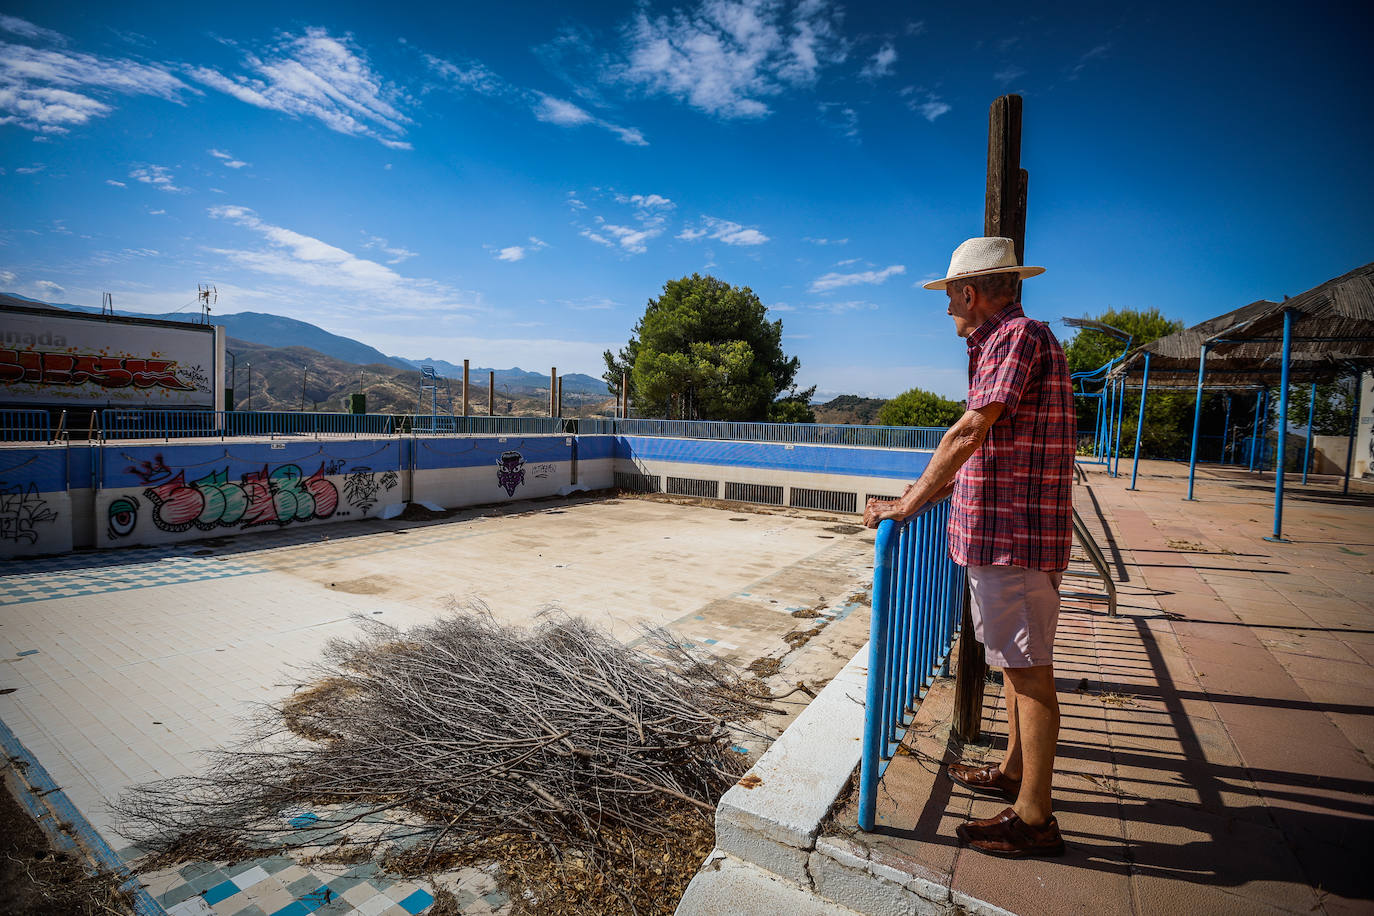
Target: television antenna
207,295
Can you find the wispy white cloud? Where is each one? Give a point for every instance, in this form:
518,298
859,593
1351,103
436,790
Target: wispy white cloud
840,117
924,102
1009,74
228,160
476,77
724,57
397,253
723,230
317,75
815,241
52,90
518,252
116,184
838,308
915,27
870,277
159,176
647,201
649,211
566,114
881,63
847,261
8,276
26,29
157,212
30,169
317,266
1095,53
590,304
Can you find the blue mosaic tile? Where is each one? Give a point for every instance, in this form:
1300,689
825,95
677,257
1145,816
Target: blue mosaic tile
222,891
178,894
417,901
303,820
294,908
207,880
317,898
251,909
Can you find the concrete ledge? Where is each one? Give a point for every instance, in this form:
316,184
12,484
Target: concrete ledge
845,872
728,886
784,797
768,856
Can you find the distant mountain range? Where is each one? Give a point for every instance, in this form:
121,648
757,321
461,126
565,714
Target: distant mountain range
278,331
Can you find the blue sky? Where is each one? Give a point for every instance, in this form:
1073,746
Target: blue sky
511,183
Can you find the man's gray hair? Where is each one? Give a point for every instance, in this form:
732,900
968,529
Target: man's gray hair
997,287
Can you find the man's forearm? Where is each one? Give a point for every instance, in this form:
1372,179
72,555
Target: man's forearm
938,478
959,442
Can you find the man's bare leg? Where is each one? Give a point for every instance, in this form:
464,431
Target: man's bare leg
1011,760
1033,727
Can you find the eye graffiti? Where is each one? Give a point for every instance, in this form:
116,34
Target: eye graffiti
510,471
123,516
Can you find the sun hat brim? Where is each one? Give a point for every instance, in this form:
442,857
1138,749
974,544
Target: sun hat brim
1023,271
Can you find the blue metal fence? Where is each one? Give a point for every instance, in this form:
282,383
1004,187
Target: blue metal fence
918,594
25,426
916,437
190,424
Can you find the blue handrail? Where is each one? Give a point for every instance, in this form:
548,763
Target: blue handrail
913,437
25,426
917,607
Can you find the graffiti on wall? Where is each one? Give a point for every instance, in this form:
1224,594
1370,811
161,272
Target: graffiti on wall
266,497
68,369
122,516
510,471
362,487
22,510
542,471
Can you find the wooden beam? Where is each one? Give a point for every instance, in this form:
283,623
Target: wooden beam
1004,216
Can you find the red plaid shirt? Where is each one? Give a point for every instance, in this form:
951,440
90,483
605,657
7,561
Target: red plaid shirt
1012,502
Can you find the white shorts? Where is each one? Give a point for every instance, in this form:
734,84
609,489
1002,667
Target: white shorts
1015,611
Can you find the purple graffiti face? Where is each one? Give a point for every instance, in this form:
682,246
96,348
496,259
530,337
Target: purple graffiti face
510,471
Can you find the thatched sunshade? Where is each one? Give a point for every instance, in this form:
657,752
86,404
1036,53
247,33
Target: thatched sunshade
1332,336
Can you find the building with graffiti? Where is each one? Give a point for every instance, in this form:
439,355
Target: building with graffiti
58,359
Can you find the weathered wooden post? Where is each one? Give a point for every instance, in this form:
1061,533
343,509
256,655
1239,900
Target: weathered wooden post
624,395
491,393
1004,215
465,388
553,391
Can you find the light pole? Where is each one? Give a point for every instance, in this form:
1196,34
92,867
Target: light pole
249,405
305,374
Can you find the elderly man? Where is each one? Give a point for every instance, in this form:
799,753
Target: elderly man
1009,462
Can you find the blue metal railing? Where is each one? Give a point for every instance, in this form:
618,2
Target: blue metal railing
25,426
184,424
917,437
190,424
918,594
444,425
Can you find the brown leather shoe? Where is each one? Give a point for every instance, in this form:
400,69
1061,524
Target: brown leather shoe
1008,836
986,779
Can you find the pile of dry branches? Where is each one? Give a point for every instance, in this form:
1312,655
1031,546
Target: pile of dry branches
449,742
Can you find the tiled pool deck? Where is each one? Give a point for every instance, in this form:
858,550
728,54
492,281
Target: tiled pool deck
1216,736
120,667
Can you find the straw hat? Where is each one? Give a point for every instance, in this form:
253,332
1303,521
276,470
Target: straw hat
980,256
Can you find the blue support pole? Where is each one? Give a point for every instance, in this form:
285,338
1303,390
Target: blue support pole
1197,418
1120,414
1254,431
1307,450
1140,420
877,663
1283,427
